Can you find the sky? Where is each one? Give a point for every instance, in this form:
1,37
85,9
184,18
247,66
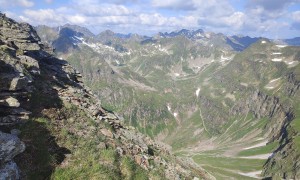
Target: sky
276,19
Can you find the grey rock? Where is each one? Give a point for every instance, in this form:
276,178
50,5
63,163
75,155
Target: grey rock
13,82
14,119
31,64
119,150
10,171
101,145
10,146
110,116
10,102
15,132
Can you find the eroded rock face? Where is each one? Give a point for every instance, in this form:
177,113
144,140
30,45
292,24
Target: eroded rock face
14,89
14,84
18,35
262,105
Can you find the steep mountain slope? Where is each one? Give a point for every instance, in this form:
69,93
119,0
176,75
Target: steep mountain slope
234,113
293,42
66,132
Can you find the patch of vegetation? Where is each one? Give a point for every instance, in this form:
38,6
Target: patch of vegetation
130,170
42,153
221,173
243,165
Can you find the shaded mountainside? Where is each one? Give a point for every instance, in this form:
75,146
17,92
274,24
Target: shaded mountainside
52,126
234,113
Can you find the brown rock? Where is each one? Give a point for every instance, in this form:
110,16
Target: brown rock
107,133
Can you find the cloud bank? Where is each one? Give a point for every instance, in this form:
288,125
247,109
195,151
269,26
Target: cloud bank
270,18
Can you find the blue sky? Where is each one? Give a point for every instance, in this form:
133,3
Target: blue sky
267,18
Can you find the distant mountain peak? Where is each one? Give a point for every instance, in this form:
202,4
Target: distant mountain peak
192,34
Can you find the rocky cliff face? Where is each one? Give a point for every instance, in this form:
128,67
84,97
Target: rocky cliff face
284,162
15,81
262,105
44,97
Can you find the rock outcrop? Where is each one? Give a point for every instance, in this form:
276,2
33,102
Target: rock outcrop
10,146
14,89
262,105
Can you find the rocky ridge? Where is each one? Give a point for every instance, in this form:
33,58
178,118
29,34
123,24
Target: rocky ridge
28,69
15,88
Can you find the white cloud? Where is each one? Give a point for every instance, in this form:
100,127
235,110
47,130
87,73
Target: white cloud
147,17
271,5
23,3
42,16
95,8
214,8
174,4
296,21
234,21
296,16
76,19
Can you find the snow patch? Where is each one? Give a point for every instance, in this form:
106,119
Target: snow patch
224,58
292,62
263,42
199,35
254,174
175,114
276,53
281,46
197,92
277,59
260,156
273,80
169,107
270,87
158,47
176,74
257,145
79,38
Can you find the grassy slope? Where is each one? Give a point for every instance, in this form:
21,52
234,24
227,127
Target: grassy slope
245,68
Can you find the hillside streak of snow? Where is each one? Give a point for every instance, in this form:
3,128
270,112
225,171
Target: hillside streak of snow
197,92
277,59
281,46
257,145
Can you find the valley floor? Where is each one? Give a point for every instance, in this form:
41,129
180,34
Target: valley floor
238,153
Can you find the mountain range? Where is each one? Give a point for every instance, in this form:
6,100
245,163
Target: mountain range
187,104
